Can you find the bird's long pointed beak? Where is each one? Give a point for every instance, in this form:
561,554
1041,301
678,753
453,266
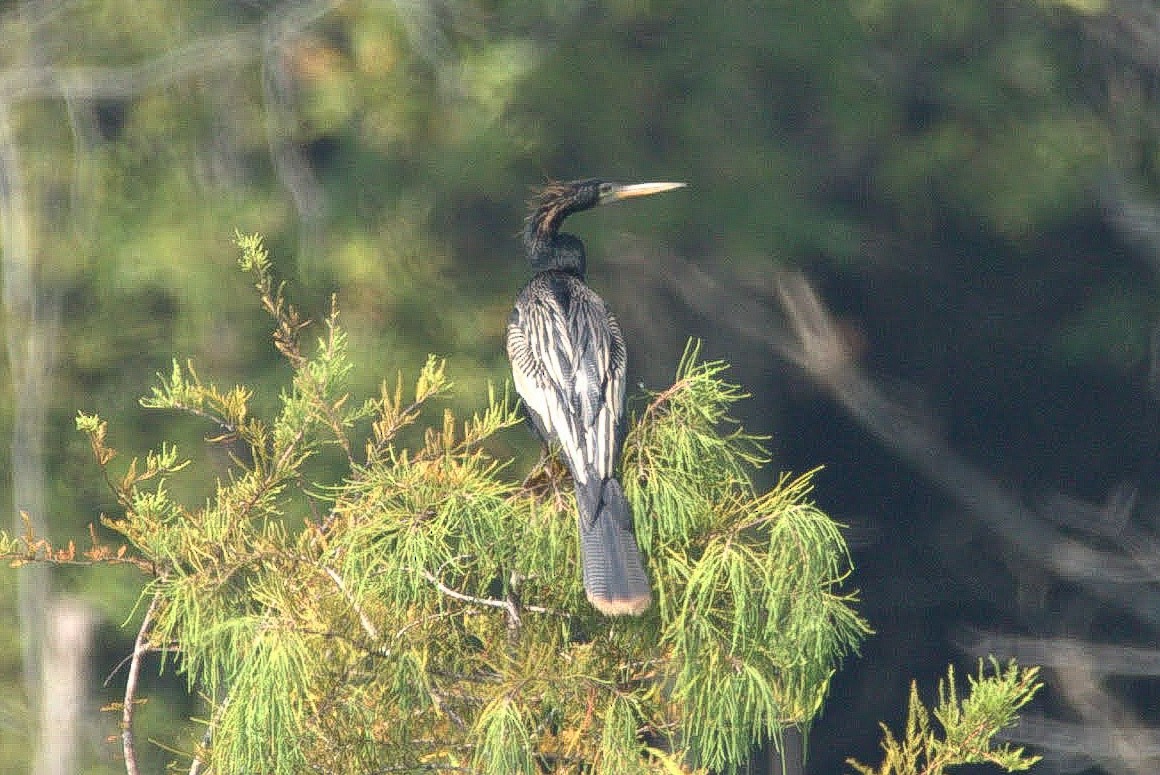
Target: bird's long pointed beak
618,192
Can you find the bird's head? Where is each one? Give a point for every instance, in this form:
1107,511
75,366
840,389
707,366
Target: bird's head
547,248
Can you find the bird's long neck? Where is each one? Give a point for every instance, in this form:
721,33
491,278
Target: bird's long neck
563,253
547,247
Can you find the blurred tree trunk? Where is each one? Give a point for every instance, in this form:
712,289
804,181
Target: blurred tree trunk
68,640
29,330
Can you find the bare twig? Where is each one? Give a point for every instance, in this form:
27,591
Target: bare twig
457,595
817,348
1065,653
278,87
513,608
508,605
210,53
367,625
141,647
221,52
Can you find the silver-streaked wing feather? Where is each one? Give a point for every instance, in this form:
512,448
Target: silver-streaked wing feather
568,363
612,416
537,363
600,389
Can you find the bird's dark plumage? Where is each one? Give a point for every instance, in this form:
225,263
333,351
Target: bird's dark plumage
568,361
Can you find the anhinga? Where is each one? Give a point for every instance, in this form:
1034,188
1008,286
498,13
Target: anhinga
568,361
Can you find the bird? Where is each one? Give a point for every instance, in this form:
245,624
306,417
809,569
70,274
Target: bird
568,363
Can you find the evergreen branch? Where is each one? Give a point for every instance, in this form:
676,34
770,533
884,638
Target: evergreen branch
31,548
970,725
393,416
187,394
336,422
686,375
288,324
229,430
699,377
662,398
387,432
96,430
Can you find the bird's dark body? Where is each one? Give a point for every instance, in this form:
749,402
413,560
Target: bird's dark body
568,362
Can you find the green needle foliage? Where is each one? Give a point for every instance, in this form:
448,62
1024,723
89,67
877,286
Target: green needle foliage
368,589
969,725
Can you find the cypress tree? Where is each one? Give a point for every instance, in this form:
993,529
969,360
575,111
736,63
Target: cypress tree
372,589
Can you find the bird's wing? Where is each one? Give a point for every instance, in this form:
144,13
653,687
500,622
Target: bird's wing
540,348
598,385
568,363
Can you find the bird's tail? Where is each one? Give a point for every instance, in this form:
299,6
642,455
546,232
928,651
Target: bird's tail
614,576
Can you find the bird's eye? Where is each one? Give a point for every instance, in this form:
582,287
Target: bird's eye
605,188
